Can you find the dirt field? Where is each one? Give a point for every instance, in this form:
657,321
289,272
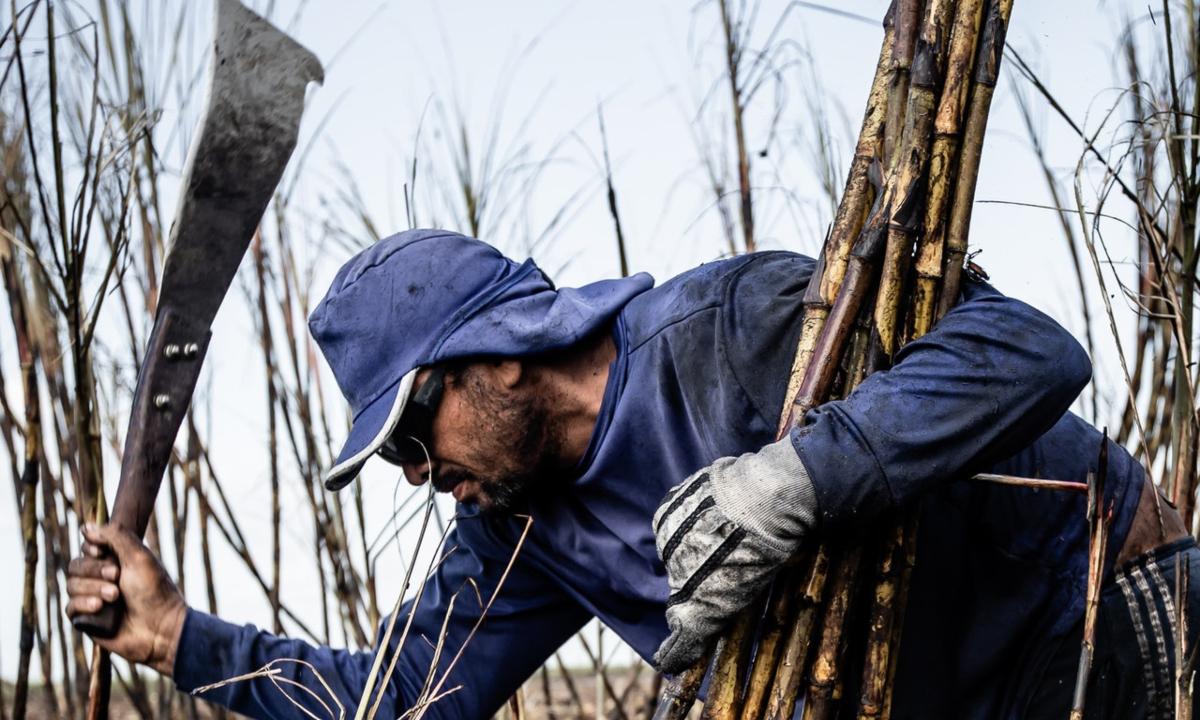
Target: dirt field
564,705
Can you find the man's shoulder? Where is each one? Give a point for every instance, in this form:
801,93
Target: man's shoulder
700,293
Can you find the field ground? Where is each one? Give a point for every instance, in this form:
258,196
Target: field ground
564,707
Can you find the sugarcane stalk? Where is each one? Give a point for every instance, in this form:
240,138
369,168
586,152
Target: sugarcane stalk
894,208
877,687
897,558
1099,518
785,674
1184,657
856,201
679,692
872,149
947,129
908,562
771,630
824,690
930,266
894,218
884,615
988,48
907,178
907,22
27,482
987,72
823,287
790,670
825,681
725,686
727,675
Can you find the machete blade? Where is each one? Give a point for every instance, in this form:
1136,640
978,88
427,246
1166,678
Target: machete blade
255,99
257,82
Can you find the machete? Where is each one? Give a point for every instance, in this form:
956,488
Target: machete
257,81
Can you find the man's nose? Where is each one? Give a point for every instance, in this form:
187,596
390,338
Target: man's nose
417,473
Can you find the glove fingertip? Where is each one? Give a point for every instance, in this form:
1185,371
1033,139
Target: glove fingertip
675,657
662,656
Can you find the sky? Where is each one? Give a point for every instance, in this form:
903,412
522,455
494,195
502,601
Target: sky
535,73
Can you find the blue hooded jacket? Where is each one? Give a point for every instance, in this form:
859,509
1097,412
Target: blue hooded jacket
700,373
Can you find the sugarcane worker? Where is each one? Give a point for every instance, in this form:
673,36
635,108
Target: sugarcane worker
636,425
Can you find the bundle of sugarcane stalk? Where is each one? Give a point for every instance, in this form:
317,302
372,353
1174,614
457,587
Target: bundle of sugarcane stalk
891,266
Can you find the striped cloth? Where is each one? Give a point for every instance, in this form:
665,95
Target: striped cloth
1137,642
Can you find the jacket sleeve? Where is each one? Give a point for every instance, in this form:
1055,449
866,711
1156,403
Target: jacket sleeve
529,619
989,379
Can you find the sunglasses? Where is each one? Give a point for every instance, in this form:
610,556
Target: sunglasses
413,434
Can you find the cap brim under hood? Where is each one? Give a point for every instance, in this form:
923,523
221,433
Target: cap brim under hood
516,313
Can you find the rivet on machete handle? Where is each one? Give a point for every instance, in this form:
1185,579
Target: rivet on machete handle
258,76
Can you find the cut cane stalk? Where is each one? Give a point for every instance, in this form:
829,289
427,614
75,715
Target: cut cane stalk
987,71
679,692
942,163
906,182
1099,517
894,218
771,630
725,687
988,52
896,54
824,685
909,560
884,615
857,198
825,682
675,700
907,22
790,670
898,557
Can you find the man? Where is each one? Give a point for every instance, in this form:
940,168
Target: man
582,408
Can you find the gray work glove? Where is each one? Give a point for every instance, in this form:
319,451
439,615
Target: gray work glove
723,534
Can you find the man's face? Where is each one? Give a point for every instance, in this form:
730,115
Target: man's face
492,443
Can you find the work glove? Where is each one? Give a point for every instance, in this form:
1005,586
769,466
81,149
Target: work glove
723,534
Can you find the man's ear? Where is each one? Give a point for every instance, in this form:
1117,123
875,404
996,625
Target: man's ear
508,373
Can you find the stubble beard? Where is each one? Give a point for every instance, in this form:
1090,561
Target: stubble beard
520,428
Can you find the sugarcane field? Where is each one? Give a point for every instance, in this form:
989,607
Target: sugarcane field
722,359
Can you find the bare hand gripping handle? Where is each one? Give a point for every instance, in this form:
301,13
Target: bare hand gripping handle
258,77
164,391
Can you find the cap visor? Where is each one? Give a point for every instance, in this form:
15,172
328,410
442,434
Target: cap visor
369,430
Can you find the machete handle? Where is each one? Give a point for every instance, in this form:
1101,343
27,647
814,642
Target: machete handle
168,376
104,624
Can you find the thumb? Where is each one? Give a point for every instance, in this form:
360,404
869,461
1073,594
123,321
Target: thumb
679,651
120,541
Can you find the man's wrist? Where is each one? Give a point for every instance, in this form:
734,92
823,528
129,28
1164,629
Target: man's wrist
166,640
768,493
